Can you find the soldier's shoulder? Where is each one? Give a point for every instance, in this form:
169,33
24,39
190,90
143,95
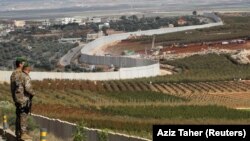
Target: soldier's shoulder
25,75
16,73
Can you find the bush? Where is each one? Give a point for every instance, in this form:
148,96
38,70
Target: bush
6,108
32,125
80,132
103,135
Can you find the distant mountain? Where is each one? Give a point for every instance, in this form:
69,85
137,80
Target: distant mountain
54,8
6,5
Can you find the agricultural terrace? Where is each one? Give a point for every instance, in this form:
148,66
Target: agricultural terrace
235,27
203,93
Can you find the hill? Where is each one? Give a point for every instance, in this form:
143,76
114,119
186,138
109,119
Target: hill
133,106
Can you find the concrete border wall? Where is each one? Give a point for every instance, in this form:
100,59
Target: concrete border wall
97,44
123,73
92,52
122,62
65,130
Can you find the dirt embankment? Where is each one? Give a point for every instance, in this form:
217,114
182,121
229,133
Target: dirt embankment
181,51
140,48
242,57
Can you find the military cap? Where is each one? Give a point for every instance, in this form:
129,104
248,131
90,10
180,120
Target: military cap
21,59
26,64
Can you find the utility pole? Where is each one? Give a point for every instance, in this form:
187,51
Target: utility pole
153,42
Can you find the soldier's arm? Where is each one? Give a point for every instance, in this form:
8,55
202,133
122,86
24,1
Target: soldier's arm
28,87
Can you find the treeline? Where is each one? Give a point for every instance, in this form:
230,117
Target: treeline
233,28
43,56
133,23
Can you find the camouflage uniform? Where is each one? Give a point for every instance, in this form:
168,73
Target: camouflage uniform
22,92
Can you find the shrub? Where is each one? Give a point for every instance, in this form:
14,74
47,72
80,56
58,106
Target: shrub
80,132
103,135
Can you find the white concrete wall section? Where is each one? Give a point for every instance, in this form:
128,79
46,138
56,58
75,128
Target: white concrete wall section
139,72
118,61
123,73
105,40
5,76
65,130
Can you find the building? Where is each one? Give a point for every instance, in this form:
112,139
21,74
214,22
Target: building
170,25
19,23
73,20
104,25
95,20
2,26
46,23
67,20
78,20
70,40
182,21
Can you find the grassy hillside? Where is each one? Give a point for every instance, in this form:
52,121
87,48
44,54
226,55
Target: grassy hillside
211,67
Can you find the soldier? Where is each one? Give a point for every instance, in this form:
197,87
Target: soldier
16,89
28,94
21,92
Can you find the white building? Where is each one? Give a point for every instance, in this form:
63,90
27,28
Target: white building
67,20
73,20
2,26
104,25
95,20
46,22
19,23
78,20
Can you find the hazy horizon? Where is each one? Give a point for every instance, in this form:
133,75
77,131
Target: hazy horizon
47,8
10,5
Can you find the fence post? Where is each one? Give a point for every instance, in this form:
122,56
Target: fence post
43,134
5,123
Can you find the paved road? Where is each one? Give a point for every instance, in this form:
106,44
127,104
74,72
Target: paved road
66,59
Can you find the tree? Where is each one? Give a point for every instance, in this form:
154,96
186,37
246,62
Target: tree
133,17
104,29
95,27
123,18
157,18
195,13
